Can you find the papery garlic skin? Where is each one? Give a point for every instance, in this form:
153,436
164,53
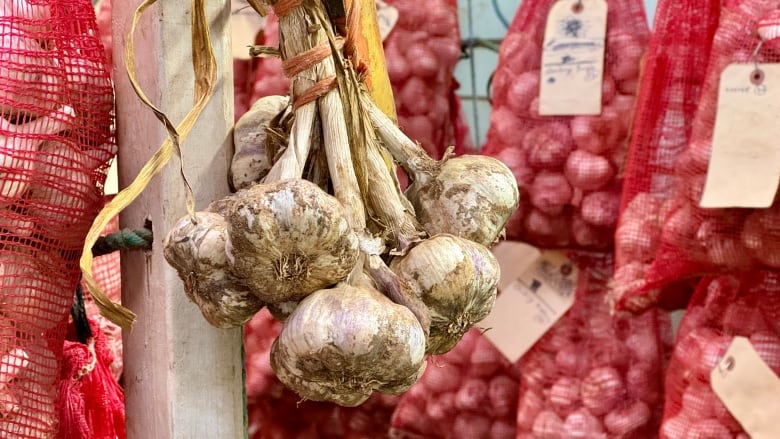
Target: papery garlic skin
342,344
471,197
250,162
197,252
288,239
457,279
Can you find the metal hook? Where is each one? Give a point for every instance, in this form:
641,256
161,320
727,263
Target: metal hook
754,56
577,7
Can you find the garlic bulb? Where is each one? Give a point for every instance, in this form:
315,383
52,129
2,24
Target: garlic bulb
456,278
288,239
197,252
470,196
250,162
343,343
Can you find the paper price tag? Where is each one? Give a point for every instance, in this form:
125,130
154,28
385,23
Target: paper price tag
749,389
531,303
744,168
573,58
387,17
245,23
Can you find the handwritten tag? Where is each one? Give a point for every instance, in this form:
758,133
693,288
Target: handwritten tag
387,17
245,23
749,389
573,58
531,303
744,168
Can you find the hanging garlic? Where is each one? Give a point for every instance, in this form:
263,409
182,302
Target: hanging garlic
470,196
456,278
250,161
197,252
343,343
288,239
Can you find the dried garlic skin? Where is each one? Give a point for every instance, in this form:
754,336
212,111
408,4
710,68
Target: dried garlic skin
456,279
250,162
341,344
197,252
471,197
288,239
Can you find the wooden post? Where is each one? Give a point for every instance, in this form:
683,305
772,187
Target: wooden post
183,378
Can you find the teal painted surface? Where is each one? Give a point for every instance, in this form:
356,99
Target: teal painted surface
480,20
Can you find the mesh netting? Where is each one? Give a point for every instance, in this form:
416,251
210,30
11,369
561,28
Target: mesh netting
107,272
567,168
668,96
275,412
56,108
697,241
745,304
469,392
421,53
594,375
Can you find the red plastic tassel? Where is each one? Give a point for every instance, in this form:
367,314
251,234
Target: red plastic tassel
91,404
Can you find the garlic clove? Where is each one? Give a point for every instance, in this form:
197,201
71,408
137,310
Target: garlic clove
456,278
288,239
197,252
343,343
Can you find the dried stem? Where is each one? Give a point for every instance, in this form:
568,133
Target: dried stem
415,161
397,290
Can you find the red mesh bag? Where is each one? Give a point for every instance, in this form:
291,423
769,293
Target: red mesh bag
268,77
421,53
594,375
469,392
276,412
567,168
56,115
668,96
745,304
697,241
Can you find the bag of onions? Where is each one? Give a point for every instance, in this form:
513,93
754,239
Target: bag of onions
366,279
567,167
746,304
727,235
594,374
277,412
668,96
469,392
56,118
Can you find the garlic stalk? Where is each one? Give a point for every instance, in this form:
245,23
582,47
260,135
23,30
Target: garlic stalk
470,196
197,252
456,279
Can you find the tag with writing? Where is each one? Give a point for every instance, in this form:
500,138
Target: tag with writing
749,389
387,17
245,23
573,58
744,168
530,304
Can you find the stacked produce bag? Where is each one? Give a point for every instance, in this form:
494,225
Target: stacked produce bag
56,120
568,167
669,95
741,304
